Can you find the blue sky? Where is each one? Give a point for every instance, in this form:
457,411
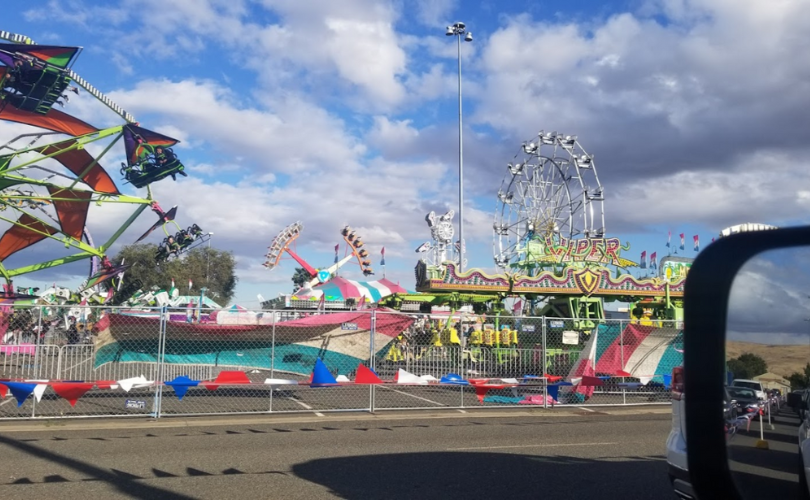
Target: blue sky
336,113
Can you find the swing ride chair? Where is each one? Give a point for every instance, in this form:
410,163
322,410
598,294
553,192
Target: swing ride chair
152,168
36,76
182,241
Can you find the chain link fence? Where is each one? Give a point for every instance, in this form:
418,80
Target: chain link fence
161,362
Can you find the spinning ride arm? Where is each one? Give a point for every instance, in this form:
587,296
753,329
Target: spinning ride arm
356,244
311,270
331,269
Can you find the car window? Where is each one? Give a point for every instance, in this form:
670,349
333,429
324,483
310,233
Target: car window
740,392
751,385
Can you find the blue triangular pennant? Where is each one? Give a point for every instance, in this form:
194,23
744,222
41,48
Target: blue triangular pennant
553,391
181,384
453,378
20,390
321,375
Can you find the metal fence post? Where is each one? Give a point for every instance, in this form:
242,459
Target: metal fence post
543,362
621,353
372,360
272,358
59,363
160,362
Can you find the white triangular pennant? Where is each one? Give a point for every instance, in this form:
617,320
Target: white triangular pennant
134,383
280,381
404,377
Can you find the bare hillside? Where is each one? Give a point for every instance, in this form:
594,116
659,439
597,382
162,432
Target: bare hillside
782,359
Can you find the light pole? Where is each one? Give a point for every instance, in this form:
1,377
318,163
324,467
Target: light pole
458,30
208,258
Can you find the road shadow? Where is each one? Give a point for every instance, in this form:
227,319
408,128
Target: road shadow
125,483
443,475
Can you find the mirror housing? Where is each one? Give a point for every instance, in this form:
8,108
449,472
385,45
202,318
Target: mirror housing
706,300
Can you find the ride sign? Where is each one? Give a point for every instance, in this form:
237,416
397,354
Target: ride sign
594,250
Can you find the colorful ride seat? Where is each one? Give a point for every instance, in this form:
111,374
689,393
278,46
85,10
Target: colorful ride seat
149,171
38,91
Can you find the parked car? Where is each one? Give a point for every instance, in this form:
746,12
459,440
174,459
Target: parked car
751,384
794,398
804,444
804,405
676,442
745,399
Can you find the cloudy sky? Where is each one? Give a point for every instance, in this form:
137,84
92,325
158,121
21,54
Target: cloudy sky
335,113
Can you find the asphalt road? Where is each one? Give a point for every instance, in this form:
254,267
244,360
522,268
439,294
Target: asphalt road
772,472
568,454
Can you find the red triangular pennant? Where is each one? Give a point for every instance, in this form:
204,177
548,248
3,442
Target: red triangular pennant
366,376
591,381
481,392
552,378
211,386
72,391
3,391
232,377
226,378
622,373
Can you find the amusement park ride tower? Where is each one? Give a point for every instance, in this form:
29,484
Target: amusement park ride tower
549,241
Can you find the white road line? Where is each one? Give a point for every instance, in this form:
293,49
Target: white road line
530,446
586,409
305,406
411,395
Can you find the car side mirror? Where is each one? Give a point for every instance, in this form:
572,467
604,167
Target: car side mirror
708,290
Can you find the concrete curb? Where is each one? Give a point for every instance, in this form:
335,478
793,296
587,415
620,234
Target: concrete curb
242,420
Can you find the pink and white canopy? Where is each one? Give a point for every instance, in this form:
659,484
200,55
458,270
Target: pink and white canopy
341,289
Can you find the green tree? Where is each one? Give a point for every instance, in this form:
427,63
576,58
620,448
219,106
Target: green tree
800,380
738,368
300,276
756,365
210,268
747,365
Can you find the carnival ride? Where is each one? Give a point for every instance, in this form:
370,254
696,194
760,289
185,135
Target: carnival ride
551,190
549,238
49,182
286,238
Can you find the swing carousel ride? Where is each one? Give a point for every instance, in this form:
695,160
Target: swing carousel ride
52,172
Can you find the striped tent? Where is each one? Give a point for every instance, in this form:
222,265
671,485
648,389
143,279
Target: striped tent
339,289
647,353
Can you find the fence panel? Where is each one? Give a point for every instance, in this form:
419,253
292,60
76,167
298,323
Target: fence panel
628,363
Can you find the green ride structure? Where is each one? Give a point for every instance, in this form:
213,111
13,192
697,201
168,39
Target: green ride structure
52,174
550,243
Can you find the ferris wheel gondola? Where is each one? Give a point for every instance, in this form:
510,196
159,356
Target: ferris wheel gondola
551,191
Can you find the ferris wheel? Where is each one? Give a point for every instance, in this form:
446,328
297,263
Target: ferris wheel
550,190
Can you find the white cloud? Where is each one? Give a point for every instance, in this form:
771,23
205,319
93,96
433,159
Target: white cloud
434,13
